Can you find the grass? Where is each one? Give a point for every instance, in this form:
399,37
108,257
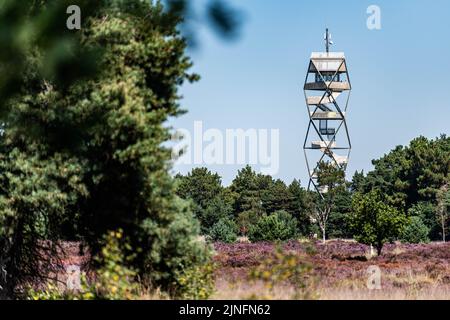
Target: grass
412,272
337,270
244,290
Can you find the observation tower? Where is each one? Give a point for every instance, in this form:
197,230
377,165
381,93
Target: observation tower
327,92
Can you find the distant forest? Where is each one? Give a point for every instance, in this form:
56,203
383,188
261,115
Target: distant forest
412,179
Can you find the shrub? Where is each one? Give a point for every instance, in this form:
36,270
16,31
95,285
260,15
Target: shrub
196,282
51,292
179,251
224,231
415,231
112,281
284,267
277,226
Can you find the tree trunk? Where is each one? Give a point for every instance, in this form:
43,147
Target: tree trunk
443,228
379,248
324,238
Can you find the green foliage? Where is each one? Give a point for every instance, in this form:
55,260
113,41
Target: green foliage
176,250
224,19
249,197
357,184
410,179
443,208
412,174
92,151
246,220
331,178
415,231
374,222
112,280
300,206
196,282
200,185
210,200
275,196
225,230
286,267
28,25
277,226
426,212
338,222
248,188
218,209
51,292
36,198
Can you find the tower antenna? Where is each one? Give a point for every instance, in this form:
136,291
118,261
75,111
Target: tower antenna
328,41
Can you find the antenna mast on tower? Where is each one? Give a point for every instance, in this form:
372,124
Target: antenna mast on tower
328,41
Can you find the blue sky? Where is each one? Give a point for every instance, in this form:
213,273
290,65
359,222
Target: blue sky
400,75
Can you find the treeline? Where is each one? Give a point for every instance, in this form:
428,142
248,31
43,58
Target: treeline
226,212
412,180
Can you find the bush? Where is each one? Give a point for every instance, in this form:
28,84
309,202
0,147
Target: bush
196,282
415,231
277,226
179,252
224,231
284,267
112,281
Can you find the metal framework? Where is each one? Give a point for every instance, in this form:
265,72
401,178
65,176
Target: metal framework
327,92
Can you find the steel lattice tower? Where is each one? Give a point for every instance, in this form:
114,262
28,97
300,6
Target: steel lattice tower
327,91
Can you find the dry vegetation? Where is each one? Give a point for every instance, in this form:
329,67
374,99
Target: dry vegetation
339,271
336,270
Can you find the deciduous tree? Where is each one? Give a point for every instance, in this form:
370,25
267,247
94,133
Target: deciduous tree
331,180
373,221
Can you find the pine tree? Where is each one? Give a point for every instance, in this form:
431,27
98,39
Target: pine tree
245,185
300,206
92,152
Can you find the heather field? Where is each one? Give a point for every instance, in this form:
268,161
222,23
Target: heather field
336,270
